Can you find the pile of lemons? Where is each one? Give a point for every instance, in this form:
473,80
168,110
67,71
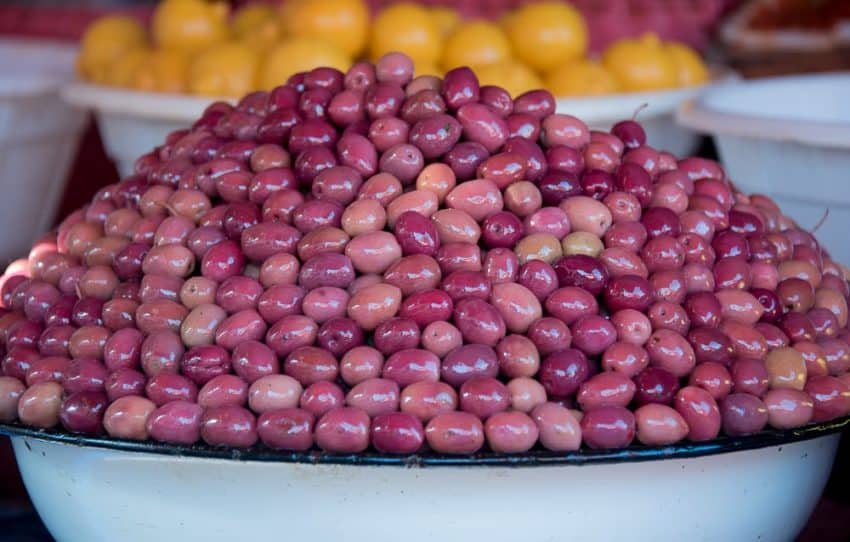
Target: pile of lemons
199,47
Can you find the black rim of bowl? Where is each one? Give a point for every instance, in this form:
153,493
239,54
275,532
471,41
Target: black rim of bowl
533,458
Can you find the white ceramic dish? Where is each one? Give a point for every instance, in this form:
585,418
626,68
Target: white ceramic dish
788,137
753,488
39,134
132,123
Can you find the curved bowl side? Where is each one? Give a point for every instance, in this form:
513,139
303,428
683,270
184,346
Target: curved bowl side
94,494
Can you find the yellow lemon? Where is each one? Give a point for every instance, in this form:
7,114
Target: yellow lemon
641,64
427,69
104,41
256,26
546,34
227,69
513,76
189,24
298,55
407,28
122,71
162,70
690,68
581,78
475,44
445,18
341,23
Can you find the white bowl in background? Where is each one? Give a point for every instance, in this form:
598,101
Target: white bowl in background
762,487
133,123
39,134
789,138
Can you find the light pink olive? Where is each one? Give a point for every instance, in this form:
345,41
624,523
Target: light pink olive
437,178
833,301
200,325
223,390
455,433
373,305
764,275
373,252
273,392
632,326
421,201
426,399
788,408
700,412
522,198
510,432
606,389
517,304
171,260
382,187
623,206
659,425
559,430
374,396
127,417
587,215
360,364
626,358
414,273
441,338
670,351
324,303
456,226
526,393
281,268
518,356
197,291
343,430
739,305
539,246
478,198
412,365
246,325
39,405
363,216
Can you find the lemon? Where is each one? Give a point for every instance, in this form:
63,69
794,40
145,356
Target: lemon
297,55
189,25
445,18
407,28
581,78
511,75
341,23
427,69
227,69
122,71
690,68
475,44
162,70
106,40
641,64
546,34
257,26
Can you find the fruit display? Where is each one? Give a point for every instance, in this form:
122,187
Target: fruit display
373,260
197,47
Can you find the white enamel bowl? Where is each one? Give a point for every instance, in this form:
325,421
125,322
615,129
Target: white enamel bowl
753,488
788,137
39,134
132,123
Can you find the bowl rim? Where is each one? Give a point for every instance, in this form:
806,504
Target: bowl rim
696,114
534,458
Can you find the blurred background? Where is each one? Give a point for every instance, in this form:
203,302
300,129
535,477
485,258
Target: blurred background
715,29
